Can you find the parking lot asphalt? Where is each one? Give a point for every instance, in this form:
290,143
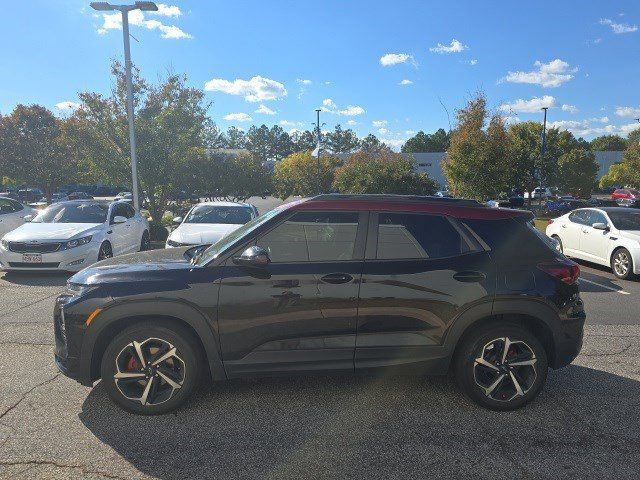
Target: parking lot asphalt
583,425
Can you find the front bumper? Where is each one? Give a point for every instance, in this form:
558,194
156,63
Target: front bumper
71,260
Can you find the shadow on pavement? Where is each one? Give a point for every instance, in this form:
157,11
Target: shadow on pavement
582,426
37,279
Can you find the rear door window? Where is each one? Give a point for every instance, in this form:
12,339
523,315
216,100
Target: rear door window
417,236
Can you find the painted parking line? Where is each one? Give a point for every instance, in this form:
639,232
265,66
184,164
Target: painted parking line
622,292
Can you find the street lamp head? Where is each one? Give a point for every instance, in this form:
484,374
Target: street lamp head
147,6
101,6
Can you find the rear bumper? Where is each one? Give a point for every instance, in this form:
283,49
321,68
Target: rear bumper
568,342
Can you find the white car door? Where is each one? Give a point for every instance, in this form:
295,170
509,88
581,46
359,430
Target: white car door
594,242
133,231
570,231
118,232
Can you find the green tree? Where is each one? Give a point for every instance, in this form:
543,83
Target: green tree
341,141
303,174
382,171
171,121
577,172
33,150
226,176
625,173
258,142
235,138
422,142
478,160
302,141
614,143
633,136
371,144
281,144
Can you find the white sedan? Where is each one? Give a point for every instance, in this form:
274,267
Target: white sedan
608,236
12,215
71,235
208,222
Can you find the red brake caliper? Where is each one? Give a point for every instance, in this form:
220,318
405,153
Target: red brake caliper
132,364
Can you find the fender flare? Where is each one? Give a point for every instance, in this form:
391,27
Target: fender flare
204,328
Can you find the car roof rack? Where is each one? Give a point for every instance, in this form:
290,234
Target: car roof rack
397,198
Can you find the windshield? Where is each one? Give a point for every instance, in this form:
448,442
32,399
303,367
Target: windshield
219,214
625,220
225,242
74,213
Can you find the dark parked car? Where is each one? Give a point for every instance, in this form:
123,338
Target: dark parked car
334,283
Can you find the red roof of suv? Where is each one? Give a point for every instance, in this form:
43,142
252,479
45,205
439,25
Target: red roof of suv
458,208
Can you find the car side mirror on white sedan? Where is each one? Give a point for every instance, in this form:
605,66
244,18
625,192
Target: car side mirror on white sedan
600,226
28,218
176,221
119,219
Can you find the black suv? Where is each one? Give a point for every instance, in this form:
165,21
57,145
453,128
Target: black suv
334,283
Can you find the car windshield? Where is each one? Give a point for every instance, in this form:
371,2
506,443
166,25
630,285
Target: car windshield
219,214
625,220
74,213
225,242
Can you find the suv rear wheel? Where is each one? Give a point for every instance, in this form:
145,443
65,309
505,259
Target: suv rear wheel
501,367
151,369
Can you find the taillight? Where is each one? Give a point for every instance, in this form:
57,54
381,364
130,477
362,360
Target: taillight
550,221
567,272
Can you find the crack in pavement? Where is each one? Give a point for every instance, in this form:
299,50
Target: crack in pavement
25,394
3,315
608,354
82,468
30,344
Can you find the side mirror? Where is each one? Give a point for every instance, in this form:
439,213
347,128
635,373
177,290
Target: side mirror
176,221
28,218
119,219
600,226
253,257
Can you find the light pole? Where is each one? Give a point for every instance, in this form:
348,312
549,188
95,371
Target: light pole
124,10
316,152
543,144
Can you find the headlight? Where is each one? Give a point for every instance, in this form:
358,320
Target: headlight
78,289
76,243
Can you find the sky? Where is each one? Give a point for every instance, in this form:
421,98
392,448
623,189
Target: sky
390,68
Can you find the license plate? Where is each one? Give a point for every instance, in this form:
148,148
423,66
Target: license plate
32,258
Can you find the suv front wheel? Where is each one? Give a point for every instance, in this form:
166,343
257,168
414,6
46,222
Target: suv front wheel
501,367
151,368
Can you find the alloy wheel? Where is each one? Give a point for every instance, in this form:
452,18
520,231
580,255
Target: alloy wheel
505,369
149,372
621,263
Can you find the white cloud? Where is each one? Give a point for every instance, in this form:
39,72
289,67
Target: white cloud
383,131
304,81
630,112
406,82
379,123
351,122
389,59
584,128
256,89
618,27
393,142
473,61
569,108
287,123
604,119
454,47
552,74
511,119
67,106
329,106
533,105
410,132
167,10
238,117
264,110
113,21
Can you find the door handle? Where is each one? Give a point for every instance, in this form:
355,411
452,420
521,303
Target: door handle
563,226
469,276
336,278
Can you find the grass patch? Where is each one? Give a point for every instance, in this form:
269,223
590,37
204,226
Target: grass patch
541,224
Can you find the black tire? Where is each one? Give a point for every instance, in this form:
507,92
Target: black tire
105,251
183,368
475,379
622,264
557,239
145,243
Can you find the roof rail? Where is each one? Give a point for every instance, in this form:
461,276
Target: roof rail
397,198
